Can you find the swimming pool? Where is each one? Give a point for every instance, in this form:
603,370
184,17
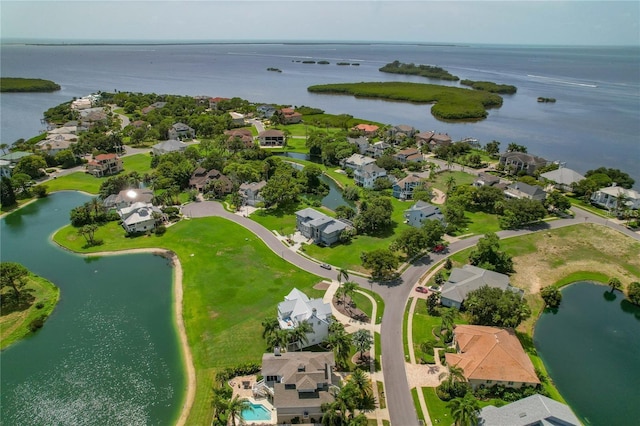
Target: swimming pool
258,412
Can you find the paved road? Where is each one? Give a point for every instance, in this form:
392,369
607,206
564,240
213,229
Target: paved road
395,294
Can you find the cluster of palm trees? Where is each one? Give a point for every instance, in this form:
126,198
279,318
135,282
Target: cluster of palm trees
351,402
227,408
465,408
339,341
285,338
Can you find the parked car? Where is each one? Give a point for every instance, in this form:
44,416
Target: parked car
421,289
434,288
439,248
325,266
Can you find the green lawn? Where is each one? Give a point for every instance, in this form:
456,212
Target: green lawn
229,288
363,303
378,345
481,223
77,181
405,323
423,325
14,325
438,410
416,403
462,178
140,163
379,303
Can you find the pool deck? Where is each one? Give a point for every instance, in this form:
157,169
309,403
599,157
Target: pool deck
239,389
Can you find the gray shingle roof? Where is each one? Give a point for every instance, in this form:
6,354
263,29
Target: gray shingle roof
468,278
532,410
563,176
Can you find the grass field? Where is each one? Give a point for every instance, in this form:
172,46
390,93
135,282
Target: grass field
416,403
462,178
379,303
363,303
14,325
229,288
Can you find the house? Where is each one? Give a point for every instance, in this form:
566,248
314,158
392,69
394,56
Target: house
523,190
128,197
9,161
5,168
377,149
439,139
80,104
139,217
250,193
398,133
423,138
236,118
271,137
491,356
243,134
289,116
409,155
367,175
563,178
105,164
422,211
355,161
64,130
521,161
361,142
155,105
533,410
485,179
266,111
319,227
298,308
366,129
468,278
92,117
202,100
403,189
299,383
181,131
608,197
201,178
166,147
56,143
214,102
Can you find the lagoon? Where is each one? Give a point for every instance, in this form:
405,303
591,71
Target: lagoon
109,354
591,348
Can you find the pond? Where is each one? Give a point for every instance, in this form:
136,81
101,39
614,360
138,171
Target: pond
591,348
110,353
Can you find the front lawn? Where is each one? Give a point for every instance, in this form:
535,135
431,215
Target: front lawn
140,163
231,282
77,181
462,178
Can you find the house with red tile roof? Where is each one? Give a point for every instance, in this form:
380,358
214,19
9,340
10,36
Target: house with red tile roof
290,116
104,164
491,356
366,129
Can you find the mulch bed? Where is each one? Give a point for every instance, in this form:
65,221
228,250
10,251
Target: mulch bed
322,285
347,309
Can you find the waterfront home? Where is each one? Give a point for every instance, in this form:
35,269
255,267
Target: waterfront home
265,111
322,229
468,278
366,129
289,116
485,179
140,217
533,410
250,193
423,138
398,133
299,384
166,147
523,190
181,131
56,143
202,178
128,197
356,161
271,137
439,139
155,105
104,165
361,142
422,211
366,176
562,178
237,119
214,102
298,308
403,189
610,196
377,149
491,356
409,155
520,161
80,104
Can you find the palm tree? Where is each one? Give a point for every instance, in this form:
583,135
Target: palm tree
455,375
299,334
220,402
348,289
615,284
450,183
447,316
279,338
342,273
340,342
235,408
465,410
270,325
362,340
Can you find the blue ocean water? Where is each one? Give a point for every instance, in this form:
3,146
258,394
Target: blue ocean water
595,121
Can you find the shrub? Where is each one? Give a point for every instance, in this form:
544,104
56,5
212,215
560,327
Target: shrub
633,293
39,305
39,191
37,323
160,230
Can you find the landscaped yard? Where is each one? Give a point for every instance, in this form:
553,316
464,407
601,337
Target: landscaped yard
229,288
462,178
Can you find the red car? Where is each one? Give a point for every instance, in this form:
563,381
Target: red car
440,248
421,289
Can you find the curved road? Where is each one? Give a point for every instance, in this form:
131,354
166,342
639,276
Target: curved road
395,294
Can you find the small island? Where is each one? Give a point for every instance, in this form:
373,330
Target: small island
309,62
13,84
27,300
541,99
489,86
324,62
355,64
451,103
274,69
429,71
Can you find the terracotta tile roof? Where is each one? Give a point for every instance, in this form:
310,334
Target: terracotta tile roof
491,353
369,128
102,157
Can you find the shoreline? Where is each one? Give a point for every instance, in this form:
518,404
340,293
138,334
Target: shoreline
179,319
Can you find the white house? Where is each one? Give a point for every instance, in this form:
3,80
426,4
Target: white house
298,308
563,178
608,197
367,175
422,211
356,161
166,147
139,217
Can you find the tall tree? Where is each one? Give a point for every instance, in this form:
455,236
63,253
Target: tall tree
299,336
340,342
381,262
270,325
496,307
454,375
362,340
235,407
465,410
411,241
615,284
551,296
13,275
342,274
488,255
7,196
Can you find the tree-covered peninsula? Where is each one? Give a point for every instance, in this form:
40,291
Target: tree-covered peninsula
489,86
13,84
451,103
429,71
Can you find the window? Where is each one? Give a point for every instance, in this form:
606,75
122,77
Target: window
489,382
510,383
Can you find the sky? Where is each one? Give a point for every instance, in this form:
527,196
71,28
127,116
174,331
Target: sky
420,21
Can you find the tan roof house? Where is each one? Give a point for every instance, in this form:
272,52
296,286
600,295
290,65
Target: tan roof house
522,161
201,178
409,155
104,164
271,137
290,116
490,356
